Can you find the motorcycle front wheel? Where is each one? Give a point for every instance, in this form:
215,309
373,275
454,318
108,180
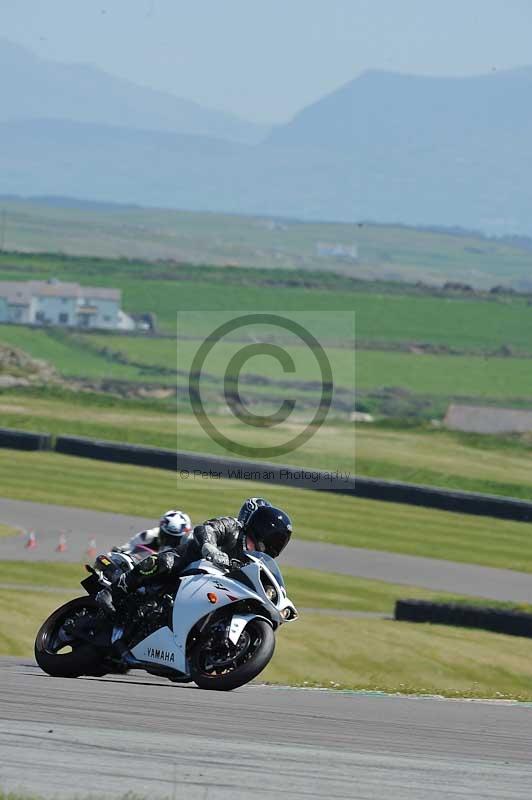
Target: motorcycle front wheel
59,650
223,666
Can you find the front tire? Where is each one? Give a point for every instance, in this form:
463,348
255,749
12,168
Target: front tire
252,653
52,638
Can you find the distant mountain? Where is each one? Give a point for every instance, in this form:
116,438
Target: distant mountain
34,88
422,149
382,112
387,148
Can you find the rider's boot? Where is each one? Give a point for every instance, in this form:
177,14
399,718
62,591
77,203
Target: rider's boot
104,599
122,584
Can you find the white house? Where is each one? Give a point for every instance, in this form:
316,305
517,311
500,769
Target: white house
55,303
344,252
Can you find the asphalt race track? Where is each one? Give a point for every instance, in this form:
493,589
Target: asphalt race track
138,733
80,525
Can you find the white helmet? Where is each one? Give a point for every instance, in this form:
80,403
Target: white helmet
173,526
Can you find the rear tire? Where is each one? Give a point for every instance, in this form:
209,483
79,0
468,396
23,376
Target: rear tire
256,658
84,659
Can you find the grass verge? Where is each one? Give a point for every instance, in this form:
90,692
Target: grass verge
22,614
42,574
317,516
389,656
7,530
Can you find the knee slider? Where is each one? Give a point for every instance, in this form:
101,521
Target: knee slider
148,566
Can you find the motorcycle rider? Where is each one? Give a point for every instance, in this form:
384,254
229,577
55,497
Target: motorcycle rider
221,540
224,539
173,526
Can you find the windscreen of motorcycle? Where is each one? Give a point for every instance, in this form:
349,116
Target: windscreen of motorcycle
271,564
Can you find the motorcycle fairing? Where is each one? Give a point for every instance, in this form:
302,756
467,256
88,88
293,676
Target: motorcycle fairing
193,604
159,648
198,596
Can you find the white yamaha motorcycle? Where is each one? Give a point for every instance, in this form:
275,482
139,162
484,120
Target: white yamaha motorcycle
216,628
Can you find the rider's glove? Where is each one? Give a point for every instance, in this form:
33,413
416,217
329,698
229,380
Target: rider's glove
219,559
235,564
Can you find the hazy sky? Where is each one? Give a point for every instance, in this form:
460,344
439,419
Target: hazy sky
265,59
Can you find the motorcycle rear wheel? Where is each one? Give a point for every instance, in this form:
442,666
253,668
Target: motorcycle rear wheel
253,652
51,641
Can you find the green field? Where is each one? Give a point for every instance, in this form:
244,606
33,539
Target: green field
469,376
317,516
468,330
481,344
384,313
435,379
385,251
63,352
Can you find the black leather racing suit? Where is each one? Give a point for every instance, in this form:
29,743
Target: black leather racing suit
218,540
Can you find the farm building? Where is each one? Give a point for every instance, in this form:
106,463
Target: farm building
478,419
55,303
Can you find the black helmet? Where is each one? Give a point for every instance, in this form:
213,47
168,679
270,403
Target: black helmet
248,507
270,528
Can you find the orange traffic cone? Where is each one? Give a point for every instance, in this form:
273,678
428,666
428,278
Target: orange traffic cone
31,541
61,544
91,549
